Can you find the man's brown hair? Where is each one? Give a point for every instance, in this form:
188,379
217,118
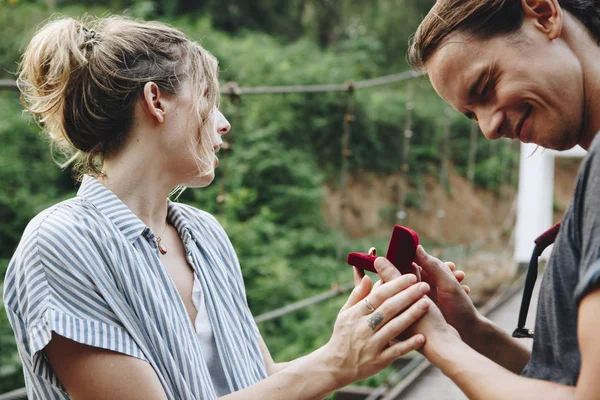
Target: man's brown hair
485,19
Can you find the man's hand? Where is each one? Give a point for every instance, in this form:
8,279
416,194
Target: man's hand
447,292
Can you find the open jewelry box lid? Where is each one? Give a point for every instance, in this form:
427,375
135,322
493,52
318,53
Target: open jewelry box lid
401,252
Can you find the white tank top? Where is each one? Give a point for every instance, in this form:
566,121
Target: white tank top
207,342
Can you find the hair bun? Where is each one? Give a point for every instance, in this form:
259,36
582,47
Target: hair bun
91,37
84,95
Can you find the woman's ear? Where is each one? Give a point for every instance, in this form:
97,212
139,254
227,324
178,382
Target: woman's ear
547,16
153,102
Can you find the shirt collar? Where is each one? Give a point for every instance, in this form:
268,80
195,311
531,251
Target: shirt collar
112,207
176,215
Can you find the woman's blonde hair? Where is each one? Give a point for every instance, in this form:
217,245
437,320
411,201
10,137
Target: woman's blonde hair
81,79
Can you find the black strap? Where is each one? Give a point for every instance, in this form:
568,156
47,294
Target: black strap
541,243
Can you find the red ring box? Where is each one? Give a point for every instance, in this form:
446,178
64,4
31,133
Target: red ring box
401,252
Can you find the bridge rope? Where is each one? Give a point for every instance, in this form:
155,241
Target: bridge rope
228,88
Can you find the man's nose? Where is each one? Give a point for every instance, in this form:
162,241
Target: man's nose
491,122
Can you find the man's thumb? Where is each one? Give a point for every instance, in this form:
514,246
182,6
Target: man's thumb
434,268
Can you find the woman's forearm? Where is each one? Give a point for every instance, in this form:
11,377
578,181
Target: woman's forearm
360,345
310,377
278,367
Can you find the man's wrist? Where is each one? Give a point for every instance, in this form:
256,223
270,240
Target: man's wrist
443,350
477,331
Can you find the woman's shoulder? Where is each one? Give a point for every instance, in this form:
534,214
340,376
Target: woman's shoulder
49,239
55,233
205,227
62,220
200,219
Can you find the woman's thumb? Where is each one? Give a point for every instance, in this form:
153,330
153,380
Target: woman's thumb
360,292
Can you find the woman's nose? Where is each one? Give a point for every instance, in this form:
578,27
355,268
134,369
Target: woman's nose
223,126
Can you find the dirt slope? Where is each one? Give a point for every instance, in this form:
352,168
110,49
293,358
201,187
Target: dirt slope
468,215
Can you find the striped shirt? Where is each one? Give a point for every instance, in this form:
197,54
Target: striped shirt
88,269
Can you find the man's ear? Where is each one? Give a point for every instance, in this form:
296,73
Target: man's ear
547,16
153,102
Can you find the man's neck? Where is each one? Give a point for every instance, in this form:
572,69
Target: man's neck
588,53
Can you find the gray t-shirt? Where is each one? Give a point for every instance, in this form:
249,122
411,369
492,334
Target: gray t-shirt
572,272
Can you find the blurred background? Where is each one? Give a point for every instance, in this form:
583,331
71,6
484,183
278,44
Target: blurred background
307,175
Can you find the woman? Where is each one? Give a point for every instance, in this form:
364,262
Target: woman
120,293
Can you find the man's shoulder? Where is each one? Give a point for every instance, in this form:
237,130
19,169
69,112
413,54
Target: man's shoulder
590,167
595,145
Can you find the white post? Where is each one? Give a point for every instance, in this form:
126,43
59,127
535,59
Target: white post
575,152
534,199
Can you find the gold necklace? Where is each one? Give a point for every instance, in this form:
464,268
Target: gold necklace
161,247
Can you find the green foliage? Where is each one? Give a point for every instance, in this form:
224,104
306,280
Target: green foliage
497,160
30,182
268,190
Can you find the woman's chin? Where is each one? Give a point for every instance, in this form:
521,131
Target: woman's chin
201,181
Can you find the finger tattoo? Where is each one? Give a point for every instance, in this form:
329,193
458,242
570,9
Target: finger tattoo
375,320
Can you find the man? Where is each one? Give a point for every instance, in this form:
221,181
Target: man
526,70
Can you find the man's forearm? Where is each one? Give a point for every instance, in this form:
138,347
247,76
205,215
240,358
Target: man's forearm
493,342
481,378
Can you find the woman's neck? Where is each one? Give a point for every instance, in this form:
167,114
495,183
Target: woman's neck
141,185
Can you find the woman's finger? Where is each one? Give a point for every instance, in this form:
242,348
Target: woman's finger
403,321
451,265
397,305
358,293
401,348
385,291
358,275
467,289
377,284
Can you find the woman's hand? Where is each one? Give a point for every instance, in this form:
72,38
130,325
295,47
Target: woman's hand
447,293
371,319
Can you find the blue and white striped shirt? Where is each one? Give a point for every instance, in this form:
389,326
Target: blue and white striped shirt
88,269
